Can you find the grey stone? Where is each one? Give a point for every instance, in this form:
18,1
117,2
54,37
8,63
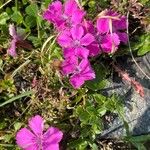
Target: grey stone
137,109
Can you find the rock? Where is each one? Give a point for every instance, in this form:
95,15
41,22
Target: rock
137,109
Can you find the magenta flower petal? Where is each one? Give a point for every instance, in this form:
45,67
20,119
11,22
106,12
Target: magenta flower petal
52,147
12,31
87,39
77,81
68,52
64,39
83,74
52,136
87,71
69,65
77,17
94,49
120,24
103,25
37,140
89,27
53,12
70,6
82,52
77,32
36,123
123,37
12,49
110,43
26,139
56,7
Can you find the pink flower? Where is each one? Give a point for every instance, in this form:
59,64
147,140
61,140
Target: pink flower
89,27
110,21
76,40
69,65
83,73
110,42
93,48
63,16
35,139
118,22
12,49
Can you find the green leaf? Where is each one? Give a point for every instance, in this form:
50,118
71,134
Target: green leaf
137,139
85,131
99,98
1,63
47,2
36,41
91,3
101,111
144,46
91,110
39,21
94,146
17,126
139,146
79,144
97,128
30,21
143,1
9,11
3,18
17,17
99,82
82,114
24,2
32,10
6,137
3,124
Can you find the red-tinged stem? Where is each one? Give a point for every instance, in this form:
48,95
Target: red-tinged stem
125,76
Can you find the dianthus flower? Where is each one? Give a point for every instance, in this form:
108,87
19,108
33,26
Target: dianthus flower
93,48
76,41
69,65
35,139
64,16
82,73
111,27
110,42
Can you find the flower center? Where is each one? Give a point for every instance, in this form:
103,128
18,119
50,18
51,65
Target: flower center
77,43
64,17
39,141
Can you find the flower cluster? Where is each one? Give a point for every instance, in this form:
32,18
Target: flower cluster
111,26
80,39
35,139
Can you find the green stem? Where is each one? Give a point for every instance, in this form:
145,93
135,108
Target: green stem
16,4
20,67
38,28
7,145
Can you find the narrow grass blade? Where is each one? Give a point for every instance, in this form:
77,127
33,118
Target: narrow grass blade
16,98
7,145
20,67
